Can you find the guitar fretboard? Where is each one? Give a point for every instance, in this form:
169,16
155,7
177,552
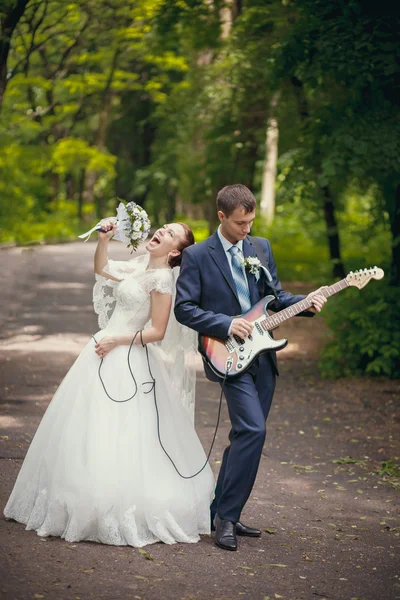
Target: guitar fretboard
276,319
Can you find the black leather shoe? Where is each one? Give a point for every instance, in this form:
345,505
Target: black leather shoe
242,529
225,534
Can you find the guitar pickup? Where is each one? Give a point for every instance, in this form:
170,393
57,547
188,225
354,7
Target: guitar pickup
239,340
229,346
259,328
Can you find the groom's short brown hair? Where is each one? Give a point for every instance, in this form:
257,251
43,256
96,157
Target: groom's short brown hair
235,196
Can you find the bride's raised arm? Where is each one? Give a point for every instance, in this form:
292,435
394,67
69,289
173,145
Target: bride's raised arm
101,256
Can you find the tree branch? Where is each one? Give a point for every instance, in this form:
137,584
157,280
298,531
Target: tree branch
8,24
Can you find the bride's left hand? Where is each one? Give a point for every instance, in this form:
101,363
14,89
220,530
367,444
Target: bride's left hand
105,346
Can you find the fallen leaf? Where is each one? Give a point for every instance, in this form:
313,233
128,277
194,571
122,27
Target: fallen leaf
146,554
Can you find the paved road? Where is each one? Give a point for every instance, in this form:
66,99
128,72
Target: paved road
332,528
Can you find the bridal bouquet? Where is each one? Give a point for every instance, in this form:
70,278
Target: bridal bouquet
133,225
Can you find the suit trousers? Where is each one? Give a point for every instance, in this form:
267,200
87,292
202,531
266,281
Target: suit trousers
249,399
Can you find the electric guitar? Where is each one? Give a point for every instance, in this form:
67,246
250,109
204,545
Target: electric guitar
233,356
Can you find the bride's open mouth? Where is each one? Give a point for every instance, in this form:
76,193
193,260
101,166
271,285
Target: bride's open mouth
155,239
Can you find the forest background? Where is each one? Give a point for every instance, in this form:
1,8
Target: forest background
166,101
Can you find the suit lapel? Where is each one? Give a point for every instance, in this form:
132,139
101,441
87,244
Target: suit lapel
248,250
217,253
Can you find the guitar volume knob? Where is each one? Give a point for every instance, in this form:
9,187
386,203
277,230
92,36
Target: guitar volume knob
239,366
241,349
241,357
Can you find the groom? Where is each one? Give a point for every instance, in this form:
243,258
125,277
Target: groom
212,289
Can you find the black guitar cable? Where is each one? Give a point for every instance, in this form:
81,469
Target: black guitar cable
130,370
152,383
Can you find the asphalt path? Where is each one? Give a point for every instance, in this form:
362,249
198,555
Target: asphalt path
325,497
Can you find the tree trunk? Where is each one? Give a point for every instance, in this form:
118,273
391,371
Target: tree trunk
171,205
81,188
329,206
267,204
210,209
9,21
333,234
395,228
237,9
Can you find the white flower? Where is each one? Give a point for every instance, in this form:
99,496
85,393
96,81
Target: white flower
137,223
253,265
133,225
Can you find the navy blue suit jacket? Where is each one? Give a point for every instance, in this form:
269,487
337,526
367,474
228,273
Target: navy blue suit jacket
206,296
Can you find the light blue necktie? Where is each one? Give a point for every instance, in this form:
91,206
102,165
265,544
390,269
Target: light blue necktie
239,278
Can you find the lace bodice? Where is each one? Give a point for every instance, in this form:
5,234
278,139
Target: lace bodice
125,306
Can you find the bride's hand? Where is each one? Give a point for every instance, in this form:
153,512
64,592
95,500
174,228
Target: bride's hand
105,346
110,227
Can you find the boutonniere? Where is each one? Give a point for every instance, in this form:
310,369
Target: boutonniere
252,264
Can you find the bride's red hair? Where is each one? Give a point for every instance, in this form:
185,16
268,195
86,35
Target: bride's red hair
188,240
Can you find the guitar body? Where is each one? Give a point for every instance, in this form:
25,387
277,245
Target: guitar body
233,356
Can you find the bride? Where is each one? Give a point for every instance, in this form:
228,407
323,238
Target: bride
113,457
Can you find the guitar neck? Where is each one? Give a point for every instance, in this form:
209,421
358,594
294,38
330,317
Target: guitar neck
276,319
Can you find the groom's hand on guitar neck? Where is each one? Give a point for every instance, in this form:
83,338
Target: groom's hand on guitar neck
318,300
243,328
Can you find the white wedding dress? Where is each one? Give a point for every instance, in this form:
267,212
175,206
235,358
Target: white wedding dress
95,469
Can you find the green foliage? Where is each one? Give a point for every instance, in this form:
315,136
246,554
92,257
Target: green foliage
164,102
365,331
390,468
299,243
198,226
340,62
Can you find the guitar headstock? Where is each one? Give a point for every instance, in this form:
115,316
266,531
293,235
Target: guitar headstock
360,278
